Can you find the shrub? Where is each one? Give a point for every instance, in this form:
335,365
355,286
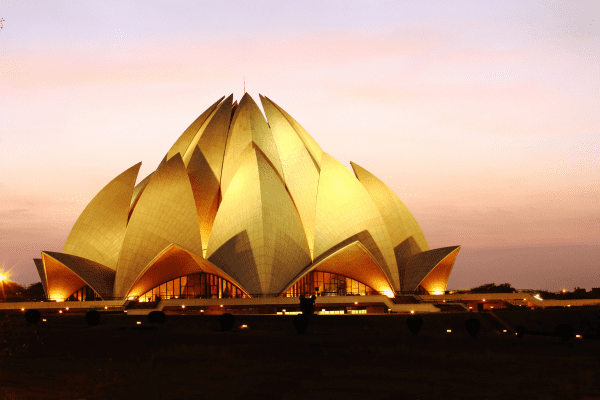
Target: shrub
473,325
226,320
565,331
92,317
301,323
157,316
32,316
414,324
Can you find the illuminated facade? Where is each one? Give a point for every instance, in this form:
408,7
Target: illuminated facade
242,206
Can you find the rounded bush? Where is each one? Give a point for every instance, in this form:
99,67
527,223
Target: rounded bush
32,316
301,323
92,317
414,324
157,316
565,331
226,320
473,325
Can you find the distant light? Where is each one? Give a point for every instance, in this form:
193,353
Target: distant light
516,333
60,311
131,298
67,308
356,302
568,305
283,310
125,310
438,293
564,290
44,320
106,308
537,296
470,308
201,310
183,306
221,305
492,307
22,309
139,322
504,331
323,310
578,336
449,330
244,327
482,299
3,277
444,301
412,311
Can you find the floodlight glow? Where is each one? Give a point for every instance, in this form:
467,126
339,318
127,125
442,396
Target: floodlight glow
537,296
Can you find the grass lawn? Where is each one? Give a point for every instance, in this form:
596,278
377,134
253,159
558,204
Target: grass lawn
341,357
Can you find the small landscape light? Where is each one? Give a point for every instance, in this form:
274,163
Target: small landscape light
139,322
67,308
412,311
578,336
244,327
44,320
183,306
470,308
492,307
221,305
106,308
22,309
201,310
568,305
125,310
443,301
449,330
482,299
60,311
504,331
356,302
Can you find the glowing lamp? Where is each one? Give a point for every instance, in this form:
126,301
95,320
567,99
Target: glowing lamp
60,311
2,277
504,331
449,330
482,299
438,293
356,302
44,320
22,309
106,308
412,312
221,305
244,327
139,322
67,308
183,306
578,336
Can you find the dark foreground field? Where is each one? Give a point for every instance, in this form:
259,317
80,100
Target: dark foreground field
341,357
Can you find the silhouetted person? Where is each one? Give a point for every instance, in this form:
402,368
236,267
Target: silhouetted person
307,304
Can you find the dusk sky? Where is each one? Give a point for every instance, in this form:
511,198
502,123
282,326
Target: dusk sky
483,116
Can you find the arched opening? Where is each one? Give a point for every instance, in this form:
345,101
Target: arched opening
85,293
194,286
328,284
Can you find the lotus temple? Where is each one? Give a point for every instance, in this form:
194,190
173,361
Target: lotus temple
244,207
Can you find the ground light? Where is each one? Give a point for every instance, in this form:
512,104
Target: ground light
449,330
139,322
182,306
60,311
578,336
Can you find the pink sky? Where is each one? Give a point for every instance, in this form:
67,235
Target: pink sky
484,118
